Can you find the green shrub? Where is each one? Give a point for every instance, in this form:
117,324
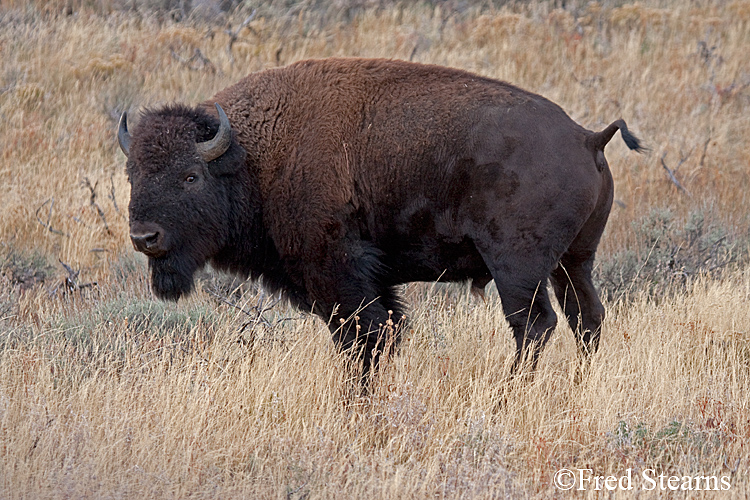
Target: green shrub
671,251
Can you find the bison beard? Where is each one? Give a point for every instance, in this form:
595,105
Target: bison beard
172,276
338,180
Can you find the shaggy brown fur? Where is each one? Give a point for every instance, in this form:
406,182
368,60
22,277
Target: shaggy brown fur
347,177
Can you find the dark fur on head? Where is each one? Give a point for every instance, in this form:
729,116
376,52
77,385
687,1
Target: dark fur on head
200,221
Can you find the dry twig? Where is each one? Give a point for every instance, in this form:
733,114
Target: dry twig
196,62
92,189
112,193
233,35
671,172
71,280
48,225
705,148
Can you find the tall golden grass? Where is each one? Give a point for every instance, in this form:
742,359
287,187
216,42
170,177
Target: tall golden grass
106,393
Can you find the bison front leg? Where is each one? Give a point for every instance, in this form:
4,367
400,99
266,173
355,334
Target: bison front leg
365,330
358,309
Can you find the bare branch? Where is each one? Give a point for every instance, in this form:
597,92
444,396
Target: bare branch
198,55
671,173
92,189
255,314
112,193
705,148
48,225
233,35
414,51
196,62
71,280
278,55
683,159
260,309
231,304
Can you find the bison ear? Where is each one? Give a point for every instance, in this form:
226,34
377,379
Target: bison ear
230,162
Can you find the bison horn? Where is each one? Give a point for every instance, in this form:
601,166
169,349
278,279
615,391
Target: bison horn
212,149
123,136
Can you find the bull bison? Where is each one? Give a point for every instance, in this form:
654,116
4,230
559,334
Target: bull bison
338,179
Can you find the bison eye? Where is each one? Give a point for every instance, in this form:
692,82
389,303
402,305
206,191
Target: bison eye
191,179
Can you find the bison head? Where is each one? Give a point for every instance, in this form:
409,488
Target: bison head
181,167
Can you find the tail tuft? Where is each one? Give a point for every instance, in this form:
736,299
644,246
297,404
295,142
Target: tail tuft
631,141
598,140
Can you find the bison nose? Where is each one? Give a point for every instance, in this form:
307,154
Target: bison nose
150,241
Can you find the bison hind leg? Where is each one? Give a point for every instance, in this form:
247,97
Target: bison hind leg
521,281
531,317
579,299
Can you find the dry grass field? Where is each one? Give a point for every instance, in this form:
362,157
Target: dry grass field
107,393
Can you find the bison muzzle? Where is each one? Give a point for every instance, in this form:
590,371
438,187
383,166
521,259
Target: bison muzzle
337,180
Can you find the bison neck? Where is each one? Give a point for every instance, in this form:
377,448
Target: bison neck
249,252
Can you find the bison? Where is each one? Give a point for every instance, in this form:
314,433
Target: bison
337,180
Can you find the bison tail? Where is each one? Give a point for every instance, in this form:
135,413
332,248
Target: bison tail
598,140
